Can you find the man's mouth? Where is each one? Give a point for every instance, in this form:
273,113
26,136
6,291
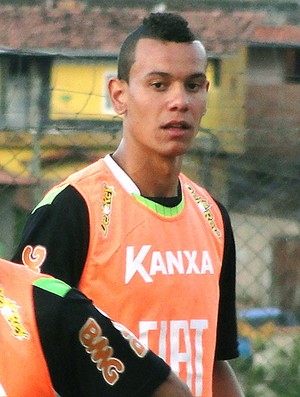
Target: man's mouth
181,125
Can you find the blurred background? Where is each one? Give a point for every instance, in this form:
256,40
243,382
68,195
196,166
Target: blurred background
56,58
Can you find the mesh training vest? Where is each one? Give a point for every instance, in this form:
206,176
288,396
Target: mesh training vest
155,269
23,370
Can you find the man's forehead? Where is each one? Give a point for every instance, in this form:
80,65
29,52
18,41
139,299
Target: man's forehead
151,41
158,50
198,44
178,60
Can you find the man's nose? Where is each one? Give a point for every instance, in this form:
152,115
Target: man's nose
179,99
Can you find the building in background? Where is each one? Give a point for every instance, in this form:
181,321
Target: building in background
55,115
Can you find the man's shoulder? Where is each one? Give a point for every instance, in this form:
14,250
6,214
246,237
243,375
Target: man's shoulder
63,194
201,193
195,189
91,171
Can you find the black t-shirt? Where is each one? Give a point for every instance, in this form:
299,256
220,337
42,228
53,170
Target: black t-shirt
63,227
109,368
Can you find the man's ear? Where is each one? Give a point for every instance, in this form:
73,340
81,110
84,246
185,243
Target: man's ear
207,86
117,93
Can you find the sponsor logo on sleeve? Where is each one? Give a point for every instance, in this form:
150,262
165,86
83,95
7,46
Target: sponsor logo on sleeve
139,348
34,257
97,345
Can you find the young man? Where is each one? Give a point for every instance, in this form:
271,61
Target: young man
55,342
135,234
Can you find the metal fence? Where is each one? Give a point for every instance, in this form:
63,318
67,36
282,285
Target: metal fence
260,188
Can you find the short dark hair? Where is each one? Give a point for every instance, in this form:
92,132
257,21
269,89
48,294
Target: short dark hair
161,26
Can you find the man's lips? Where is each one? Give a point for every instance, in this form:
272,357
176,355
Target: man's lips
181,125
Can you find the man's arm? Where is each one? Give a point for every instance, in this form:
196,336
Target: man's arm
90,355
172,387
227,338
225,383
60,229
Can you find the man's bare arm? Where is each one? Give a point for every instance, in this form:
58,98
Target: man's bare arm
172,387
225,383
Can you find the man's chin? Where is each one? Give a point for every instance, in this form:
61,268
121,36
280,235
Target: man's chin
177,151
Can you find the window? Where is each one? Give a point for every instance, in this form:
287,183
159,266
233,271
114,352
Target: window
216,72
293,65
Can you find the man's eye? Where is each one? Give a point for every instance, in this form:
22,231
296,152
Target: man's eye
194,86
197,85
157,84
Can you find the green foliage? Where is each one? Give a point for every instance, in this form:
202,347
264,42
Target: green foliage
284,377
278,377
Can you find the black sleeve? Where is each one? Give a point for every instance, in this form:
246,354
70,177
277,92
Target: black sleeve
79,359
227,343
62,227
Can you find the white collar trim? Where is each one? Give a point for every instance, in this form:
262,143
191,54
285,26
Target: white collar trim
126,182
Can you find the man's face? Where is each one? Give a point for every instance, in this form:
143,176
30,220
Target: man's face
165,98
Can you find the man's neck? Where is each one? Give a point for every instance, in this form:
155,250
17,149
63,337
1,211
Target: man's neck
157,177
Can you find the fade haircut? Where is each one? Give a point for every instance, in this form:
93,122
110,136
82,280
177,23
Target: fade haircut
158,26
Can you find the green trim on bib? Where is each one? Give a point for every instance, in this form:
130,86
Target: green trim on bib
50,196
53,285
159,209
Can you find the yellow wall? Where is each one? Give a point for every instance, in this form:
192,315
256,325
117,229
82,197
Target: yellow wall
78,90
225,116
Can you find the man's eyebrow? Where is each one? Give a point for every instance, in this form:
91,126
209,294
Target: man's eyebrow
165,74
157,73
198,75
